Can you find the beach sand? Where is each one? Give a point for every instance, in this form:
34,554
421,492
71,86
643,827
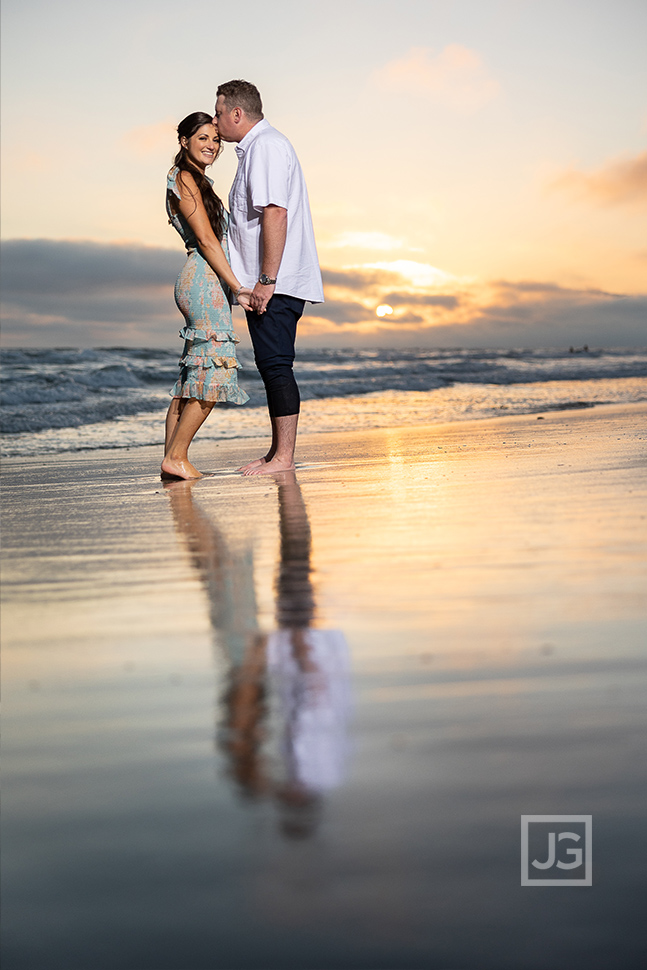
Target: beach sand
293,722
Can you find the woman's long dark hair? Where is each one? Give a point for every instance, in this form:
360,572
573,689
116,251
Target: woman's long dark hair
215,209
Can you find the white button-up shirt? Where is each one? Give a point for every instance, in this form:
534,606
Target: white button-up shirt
269,174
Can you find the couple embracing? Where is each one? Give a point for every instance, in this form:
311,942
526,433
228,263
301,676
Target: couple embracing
262,255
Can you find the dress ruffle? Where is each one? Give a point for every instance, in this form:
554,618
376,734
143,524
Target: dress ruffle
206,372
204,391
222,336
209,360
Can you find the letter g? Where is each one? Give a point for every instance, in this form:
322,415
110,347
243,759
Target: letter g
574,852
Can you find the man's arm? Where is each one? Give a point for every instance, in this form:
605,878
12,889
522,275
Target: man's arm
274,226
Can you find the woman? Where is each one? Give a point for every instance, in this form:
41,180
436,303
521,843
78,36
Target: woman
208,366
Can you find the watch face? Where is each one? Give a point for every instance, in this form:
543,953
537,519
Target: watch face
265,279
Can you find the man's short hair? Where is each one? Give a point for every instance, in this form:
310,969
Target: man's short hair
241,94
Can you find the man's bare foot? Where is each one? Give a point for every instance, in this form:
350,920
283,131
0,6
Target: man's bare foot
270,467
179,468
251,464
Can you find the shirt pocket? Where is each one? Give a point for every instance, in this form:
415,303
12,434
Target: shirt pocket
238,198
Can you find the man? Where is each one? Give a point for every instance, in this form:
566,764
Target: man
273,251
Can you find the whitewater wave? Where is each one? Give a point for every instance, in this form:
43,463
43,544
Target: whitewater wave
64,399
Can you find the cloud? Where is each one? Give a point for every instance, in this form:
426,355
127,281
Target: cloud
341,311
86,294
62,292
353,279
619,182
421,299
32,266
616,322
532,303
382,283
371,276
456,77
544,314
500,313
366,240
521,288
620,323
418,274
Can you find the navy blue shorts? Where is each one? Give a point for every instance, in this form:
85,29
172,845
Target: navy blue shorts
273,336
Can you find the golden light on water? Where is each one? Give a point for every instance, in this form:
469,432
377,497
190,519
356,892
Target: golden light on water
384,310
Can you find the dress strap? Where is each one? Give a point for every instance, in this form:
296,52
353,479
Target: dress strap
171,183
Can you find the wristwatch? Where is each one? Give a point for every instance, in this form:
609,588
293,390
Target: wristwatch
265,279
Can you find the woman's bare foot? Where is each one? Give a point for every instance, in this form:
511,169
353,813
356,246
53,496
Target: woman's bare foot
179,468
269,467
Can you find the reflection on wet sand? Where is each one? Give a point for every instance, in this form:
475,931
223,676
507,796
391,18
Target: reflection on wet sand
285,709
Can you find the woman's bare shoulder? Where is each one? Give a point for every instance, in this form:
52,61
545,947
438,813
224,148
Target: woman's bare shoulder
186,184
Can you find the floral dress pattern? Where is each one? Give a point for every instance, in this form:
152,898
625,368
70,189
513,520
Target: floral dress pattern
208,365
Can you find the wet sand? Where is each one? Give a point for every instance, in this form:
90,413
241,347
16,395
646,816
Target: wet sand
293,722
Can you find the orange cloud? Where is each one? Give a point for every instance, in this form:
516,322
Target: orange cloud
455,77
620,182
519,312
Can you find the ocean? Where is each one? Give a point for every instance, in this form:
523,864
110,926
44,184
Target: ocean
71,400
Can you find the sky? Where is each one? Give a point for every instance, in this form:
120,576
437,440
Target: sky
478,167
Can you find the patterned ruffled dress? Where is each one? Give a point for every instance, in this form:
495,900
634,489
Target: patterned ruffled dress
208,366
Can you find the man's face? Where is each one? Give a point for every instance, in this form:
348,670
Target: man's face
224,122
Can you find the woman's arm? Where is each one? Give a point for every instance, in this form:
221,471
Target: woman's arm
192,208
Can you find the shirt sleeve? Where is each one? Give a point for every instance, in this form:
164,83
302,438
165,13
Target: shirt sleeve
268,174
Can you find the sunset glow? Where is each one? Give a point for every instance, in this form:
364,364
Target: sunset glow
453,178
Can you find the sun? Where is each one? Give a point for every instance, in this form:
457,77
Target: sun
384,310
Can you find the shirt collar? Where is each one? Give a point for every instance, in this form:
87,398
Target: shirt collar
245,142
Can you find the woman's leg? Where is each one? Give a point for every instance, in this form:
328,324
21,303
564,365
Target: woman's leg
172,419
193,413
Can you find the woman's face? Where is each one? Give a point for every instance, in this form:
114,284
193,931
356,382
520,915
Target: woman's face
203,148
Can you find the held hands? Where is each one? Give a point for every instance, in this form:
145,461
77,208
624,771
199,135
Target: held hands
243,296
261,296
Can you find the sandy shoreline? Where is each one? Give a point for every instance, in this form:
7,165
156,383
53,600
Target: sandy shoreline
491,496
484,581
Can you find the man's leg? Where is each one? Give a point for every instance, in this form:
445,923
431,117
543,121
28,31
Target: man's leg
285,434
273,336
